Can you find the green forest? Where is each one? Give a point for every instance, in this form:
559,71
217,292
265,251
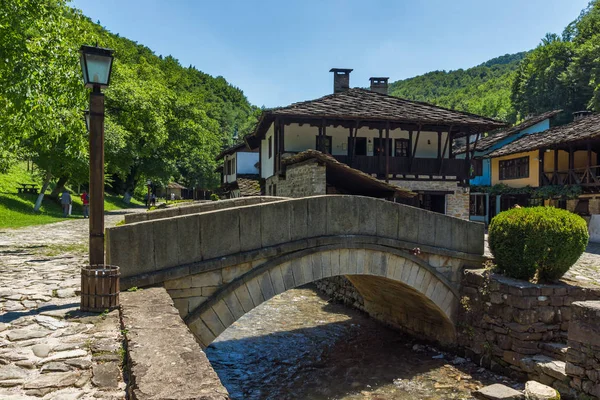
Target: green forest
167,122
563,72
164,121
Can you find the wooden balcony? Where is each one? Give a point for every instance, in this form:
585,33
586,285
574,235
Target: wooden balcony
401,167
586,177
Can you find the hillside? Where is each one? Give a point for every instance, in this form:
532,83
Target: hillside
484,89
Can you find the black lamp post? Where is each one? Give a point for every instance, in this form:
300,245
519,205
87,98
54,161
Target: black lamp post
96,64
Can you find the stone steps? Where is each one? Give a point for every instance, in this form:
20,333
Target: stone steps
547,370
555,350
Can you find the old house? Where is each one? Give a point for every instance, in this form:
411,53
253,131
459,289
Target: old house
483,206
239,172
564,158
404,143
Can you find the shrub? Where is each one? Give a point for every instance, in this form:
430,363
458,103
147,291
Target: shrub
542,240
214,197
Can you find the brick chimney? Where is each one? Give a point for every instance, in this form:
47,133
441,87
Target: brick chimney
379,84
341,79
577,115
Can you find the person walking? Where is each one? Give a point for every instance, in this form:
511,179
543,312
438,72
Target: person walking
153,201
65,201
85,200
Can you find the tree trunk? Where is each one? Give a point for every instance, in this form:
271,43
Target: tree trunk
62,181
130,183
38,202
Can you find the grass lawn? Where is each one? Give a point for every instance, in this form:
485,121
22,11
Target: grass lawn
16,210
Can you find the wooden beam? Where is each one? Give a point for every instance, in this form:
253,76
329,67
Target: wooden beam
414,153
589,160
387,152
571,163
555,174
379,155
444,152
541,164
323,134
281,142
439,143
276,146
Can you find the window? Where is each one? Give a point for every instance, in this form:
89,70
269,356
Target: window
402,148
361,146
270,147
327,143
516,168
229,167
379,147
478,205
476,167
233,170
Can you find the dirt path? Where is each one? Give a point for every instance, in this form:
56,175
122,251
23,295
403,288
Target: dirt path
48,349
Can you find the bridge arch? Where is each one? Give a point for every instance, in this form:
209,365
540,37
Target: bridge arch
398,288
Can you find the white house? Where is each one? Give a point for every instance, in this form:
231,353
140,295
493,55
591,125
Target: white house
240,173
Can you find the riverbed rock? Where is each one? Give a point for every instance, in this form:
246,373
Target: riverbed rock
498,391
536,391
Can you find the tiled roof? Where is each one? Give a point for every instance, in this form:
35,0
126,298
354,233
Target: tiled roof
362,179
585,128
232,149
175,185
365,105
495,137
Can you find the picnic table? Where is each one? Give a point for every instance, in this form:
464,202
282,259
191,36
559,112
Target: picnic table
27,188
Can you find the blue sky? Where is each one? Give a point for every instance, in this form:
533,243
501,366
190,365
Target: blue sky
279,51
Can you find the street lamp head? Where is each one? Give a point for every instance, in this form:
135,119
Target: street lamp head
96,64
86,117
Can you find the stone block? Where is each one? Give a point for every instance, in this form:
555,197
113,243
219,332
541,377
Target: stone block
195,302
326,263
476,237
253,286
234,305
348,261
202,333
316,263
288,275
460,236
536,391
266,286
298,272
342,215
334,257
250,228
498,391
131,247
275,223
212,321
224,314
443,231
387,219
427,227
185,293
584,326
299,219
166,247
243,296
360,261
188,239
317,216
367,214
231,273
408,223
210,278
277,280
306,263
181,283
220,233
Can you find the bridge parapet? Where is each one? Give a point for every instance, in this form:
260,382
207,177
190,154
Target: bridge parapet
155,245
197,208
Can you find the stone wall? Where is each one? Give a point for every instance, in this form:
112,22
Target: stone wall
583,355
517,328
304,179
163,359
457,201
341,290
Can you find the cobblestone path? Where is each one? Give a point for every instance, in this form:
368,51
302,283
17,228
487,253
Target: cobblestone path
48,348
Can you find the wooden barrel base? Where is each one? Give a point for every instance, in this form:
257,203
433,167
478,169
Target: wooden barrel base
99,288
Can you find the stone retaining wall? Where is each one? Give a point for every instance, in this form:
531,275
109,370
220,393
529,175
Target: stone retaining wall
341,290
583,355
519,329
301,180
163,359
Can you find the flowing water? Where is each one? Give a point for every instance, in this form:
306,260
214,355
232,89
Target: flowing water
299,346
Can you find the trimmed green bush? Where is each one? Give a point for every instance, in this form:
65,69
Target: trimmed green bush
542,240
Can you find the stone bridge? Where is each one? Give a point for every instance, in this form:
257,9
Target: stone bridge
218,265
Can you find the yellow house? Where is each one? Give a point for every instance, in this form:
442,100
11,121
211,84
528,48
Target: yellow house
563,155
